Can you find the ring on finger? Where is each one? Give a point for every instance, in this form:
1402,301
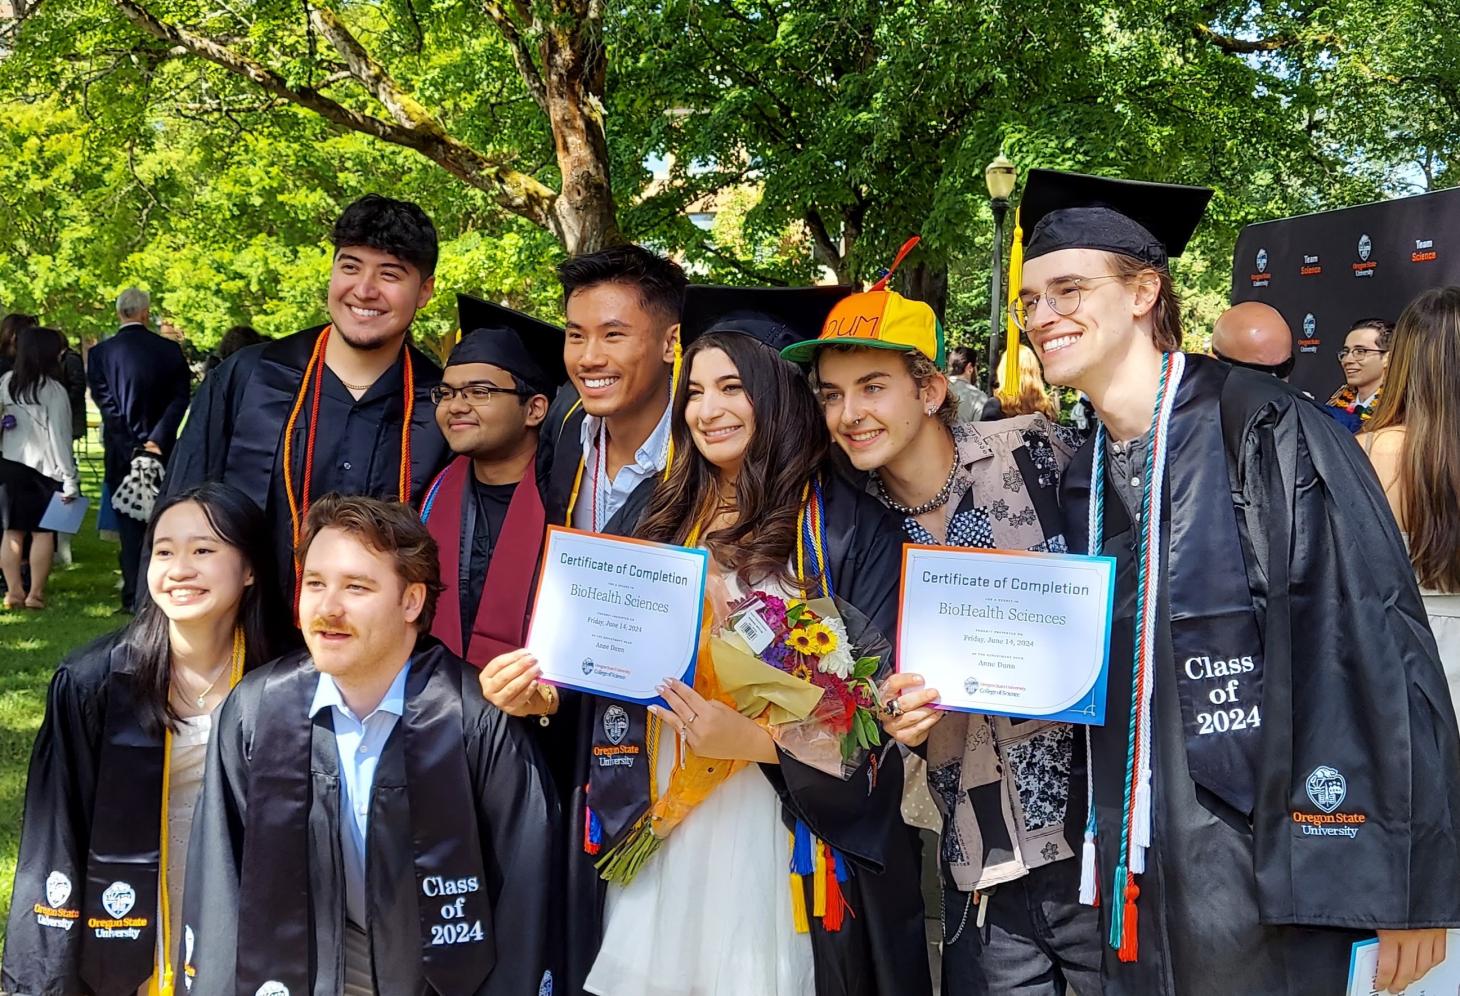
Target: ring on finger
893,708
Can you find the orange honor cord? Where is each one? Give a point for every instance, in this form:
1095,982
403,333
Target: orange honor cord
409,376
299,504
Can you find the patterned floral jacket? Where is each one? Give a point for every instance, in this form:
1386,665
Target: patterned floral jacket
1002,784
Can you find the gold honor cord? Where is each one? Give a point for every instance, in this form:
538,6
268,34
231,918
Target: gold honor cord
162,982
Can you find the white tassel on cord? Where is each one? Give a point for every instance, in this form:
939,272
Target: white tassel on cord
1095,541
1089,881
1089,884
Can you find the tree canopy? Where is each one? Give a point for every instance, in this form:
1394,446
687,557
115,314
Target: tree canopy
202,148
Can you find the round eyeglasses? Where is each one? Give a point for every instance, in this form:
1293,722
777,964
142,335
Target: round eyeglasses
1063,295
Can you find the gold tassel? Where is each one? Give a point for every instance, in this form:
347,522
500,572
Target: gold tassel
818,891
798,906
1008,391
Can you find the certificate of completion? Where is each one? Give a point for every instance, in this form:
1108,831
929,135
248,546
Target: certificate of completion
1015,634
616,616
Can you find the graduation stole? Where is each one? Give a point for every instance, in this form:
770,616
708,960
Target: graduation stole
1216,646
628,816
274,933
299,504
126,901
500,623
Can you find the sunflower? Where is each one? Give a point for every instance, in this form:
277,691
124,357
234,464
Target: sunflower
799,640
802,671
823,640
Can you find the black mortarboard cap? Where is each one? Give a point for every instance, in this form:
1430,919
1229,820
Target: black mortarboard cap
775,316
518,343
1148,221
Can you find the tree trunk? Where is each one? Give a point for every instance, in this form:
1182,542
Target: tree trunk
583,216
927,282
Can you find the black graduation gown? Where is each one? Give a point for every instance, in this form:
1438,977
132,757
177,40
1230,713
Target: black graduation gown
235,428
1246,898
60,798
882,949
516,813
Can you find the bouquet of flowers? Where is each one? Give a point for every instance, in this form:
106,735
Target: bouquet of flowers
810,667
805,670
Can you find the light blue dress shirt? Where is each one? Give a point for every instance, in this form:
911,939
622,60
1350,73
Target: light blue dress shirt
649,460
360,743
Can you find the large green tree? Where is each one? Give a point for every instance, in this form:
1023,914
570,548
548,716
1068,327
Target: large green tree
203,146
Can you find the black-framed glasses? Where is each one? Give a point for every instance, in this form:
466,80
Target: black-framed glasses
1359,352
475,393
1063,296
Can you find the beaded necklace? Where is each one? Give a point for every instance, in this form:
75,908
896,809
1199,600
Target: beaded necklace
1135,830
299,504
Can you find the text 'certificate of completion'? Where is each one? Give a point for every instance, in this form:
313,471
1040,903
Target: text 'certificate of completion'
617,616
1016,634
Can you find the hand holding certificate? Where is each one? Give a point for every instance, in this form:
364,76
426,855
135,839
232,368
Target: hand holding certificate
616,617
1441,980
1015,634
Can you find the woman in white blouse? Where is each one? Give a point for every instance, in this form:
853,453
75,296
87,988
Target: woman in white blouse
35,460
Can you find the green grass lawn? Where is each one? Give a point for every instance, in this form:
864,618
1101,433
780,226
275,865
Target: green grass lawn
81,601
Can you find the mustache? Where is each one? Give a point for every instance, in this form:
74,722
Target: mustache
323,626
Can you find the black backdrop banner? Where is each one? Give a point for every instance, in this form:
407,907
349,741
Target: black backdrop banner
1326,271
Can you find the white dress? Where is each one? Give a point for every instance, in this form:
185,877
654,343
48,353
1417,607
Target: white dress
710,913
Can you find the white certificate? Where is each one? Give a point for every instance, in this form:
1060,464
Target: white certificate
616,616
1015,634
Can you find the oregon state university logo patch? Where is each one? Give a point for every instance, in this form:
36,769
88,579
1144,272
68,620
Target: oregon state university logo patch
615,724
1327,789
58,888
54,912
118,899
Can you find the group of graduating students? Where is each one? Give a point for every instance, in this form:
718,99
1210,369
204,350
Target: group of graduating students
402,805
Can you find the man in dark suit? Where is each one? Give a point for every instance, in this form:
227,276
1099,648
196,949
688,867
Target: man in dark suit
140,383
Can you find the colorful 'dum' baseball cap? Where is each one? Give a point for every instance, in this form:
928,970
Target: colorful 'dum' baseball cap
880,319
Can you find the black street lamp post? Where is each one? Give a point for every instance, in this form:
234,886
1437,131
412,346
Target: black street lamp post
999,176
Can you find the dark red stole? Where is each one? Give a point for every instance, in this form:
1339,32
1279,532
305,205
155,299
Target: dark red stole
501,618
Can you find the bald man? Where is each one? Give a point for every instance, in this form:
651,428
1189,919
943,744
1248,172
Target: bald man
1254,335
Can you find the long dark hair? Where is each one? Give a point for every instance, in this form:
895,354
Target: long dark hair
9,325
37,360
1420,395
240,524
788,447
